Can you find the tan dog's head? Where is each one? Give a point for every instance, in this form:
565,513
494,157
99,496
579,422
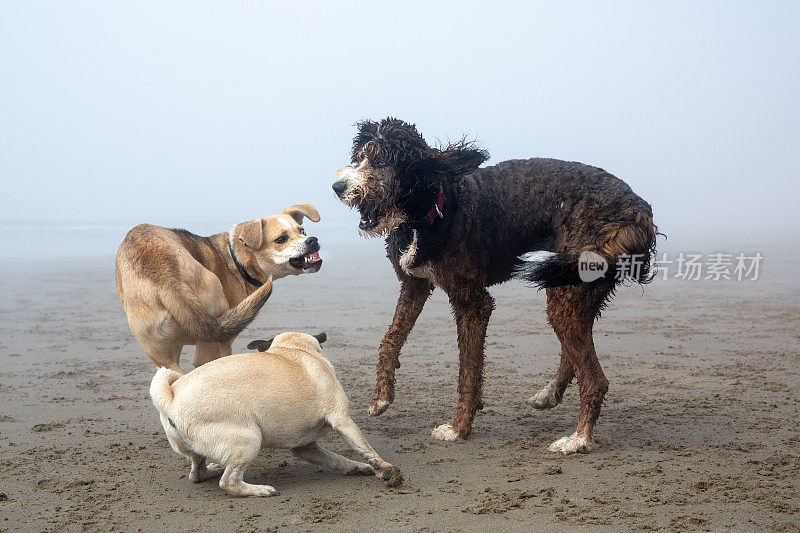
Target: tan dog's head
277,245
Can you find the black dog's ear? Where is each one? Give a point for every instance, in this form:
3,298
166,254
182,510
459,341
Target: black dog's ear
260,345
367,131
321,337
460,158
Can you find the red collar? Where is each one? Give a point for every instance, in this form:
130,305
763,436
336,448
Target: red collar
436,210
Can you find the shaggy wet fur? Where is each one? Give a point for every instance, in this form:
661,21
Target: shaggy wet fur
490,217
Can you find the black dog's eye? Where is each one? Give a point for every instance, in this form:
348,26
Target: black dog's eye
280,240
302,231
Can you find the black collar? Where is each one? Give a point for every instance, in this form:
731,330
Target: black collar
247,277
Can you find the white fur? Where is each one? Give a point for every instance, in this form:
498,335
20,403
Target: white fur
539,256
407,258
572,444
378,407
354,178
445,432
545,398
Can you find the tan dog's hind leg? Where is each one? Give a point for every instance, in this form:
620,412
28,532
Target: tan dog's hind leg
317,455
164,356
352,434
225,349
205,352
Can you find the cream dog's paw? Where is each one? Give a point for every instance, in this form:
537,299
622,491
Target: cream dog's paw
360,469
445,432
572,444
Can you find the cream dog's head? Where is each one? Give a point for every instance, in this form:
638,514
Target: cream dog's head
291,340
277,245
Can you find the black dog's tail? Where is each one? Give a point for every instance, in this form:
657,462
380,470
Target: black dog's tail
548,269
626,248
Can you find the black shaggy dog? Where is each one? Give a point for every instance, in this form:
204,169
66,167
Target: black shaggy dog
452,225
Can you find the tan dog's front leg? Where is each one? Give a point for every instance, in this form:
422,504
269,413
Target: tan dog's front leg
414,292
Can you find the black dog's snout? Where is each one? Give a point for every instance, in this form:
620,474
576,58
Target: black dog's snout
312,244
339,187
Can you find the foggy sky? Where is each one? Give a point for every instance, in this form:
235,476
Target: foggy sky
200,114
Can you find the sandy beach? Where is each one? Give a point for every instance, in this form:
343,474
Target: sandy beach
698,431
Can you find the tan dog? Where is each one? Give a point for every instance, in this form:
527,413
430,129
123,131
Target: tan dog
285,397
178,288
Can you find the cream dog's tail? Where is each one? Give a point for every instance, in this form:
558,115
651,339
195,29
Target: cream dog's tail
161,389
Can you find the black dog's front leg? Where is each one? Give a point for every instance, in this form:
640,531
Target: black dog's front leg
414,292
472,307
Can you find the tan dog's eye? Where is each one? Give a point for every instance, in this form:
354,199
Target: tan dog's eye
280,240
302,231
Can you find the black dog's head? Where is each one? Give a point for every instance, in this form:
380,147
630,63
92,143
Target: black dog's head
395,175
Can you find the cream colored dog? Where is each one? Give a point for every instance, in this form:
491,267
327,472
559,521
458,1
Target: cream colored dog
288,396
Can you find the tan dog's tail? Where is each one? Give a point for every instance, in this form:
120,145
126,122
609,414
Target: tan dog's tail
201,326
161,389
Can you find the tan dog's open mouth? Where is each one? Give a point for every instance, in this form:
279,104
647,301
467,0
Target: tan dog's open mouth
310,262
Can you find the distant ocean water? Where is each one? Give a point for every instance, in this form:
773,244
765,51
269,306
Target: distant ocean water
69,241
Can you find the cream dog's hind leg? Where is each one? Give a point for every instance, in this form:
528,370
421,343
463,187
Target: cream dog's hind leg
200,470
233,483
243,444
317,455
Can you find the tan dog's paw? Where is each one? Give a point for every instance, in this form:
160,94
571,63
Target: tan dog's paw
378,406
572,444
445,432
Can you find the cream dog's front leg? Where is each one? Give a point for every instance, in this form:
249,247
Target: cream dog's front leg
317,455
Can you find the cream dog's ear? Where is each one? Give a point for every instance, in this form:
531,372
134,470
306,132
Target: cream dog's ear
252,234
299,211
260,345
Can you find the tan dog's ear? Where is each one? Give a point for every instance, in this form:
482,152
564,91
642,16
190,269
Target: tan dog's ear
297,212
252,234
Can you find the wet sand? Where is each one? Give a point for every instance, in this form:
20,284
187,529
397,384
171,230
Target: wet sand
699,429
